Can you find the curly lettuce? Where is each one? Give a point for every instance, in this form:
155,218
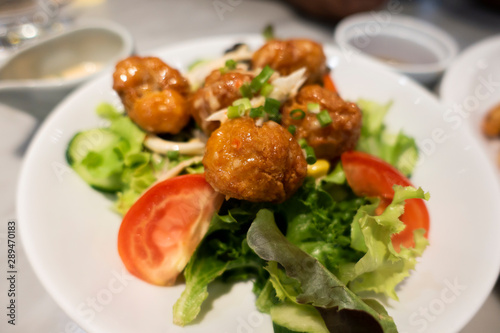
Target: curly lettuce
399,150
381,268
307,282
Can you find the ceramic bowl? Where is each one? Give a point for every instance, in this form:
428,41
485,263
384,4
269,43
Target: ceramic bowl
44,72
407,45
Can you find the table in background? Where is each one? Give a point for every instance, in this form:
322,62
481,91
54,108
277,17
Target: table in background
156,24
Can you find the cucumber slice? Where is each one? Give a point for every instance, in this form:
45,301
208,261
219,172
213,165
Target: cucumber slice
280,329
291,317
96,140
93,154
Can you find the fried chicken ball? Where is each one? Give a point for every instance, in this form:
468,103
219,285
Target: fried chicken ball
329,141
287,56
258,164
153,93
220,91
491,123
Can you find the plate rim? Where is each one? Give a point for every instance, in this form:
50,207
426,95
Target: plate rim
445,84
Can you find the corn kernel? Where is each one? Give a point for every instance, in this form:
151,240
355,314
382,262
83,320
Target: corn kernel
318,169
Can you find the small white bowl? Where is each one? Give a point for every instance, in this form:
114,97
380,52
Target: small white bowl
45,71
407,45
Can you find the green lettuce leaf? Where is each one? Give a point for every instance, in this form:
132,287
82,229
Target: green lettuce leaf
223,253
398,149
201,270
266,298
319,287
382,268
304,318
319,221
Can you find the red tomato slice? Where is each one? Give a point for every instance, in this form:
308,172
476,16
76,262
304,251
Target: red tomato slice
162,229
372,177
328,83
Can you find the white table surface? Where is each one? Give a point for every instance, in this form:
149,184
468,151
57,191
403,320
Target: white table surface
157,23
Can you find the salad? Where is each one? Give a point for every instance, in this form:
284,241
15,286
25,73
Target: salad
252,167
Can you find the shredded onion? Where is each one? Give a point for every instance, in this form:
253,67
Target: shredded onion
160,146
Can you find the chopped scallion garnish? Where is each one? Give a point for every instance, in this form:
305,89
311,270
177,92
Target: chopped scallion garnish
245,102
310,155
235,111
257,112
267,89
230,64
260,79
245,90
268,32
302,143
272,108
292,129
272,105
313,107
324,118
297,114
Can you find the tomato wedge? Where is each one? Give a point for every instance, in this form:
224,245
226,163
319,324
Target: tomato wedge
328,83
162,229
372,177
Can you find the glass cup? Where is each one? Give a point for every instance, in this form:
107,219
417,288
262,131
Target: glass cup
22,21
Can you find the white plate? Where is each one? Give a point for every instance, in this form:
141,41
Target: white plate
69,230
471,87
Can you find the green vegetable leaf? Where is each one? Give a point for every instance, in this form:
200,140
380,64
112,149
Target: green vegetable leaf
299,317
320,288
337,176
223,253
319,224
285,287
399,150
373,116
201,270
107,111
267,298
130,132
382,268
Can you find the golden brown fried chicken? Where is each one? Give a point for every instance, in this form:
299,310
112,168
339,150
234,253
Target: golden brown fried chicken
491,123
153,93
220,91
258,164
287,56
329,141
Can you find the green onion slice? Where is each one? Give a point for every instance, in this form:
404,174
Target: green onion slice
297,114
260,79
257,112
268,32
235,111
324,118
230,64
292,129
272,105
245,90
272,108
310,155
267,89
245,102
313,107
302,143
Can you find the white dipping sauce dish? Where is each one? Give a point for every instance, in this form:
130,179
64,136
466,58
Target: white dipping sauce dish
405,44
43,72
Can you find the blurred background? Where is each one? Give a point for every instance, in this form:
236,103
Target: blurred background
158,23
